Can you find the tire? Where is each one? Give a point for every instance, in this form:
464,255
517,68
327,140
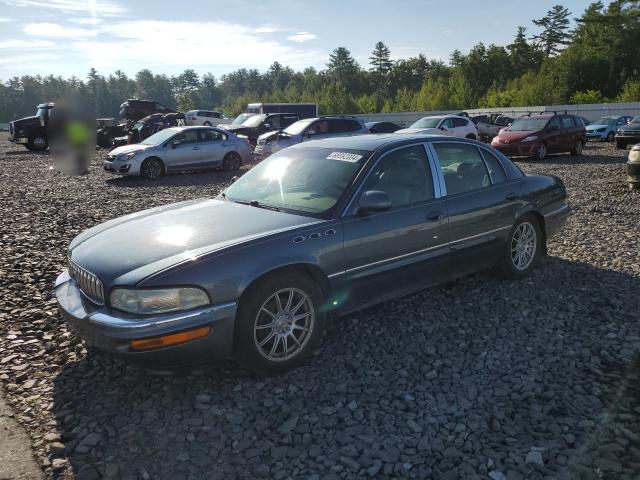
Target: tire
152,168
262,350
471,136
577,148
541,152
207,124
620,145
514,262
611,137
37,144
232,162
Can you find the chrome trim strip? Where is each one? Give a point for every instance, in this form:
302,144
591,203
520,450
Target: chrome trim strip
559,210
108,320
508,227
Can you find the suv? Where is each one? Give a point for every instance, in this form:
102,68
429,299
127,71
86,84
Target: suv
32,131
537,135
308,129
135,109
256,125
206,118
450,125
628,134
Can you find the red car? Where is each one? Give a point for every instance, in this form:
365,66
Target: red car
537,135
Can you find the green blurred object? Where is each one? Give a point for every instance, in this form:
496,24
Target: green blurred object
78,133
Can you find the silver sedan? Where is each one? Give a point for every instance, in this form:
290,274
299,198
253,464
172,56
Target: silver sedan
177,149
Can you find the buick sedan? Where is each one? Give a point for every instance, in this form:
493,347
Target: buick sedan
321,228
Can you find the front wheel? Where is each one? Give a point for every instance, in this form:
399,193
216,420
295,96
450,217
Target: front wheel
38,144
279,324
522,250
611,137
577,148
231,161
541,152
207,124
152,168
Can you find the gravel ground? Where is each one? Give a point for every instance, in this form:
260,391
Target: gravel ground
483,378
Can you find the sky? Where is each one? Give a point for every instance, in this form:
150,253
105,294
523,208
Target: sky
68,37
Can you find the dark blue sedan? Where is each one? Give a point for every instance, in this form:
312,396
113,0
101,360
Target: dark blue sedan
321,228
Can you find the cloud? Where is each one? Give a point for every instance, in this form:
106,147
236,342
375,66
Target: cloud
97,7
4,20
25,44
265,30
85,20
302,37
54,30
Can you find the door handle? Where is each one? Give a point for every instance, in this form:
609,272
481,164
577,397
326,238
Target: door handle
435,216
511,196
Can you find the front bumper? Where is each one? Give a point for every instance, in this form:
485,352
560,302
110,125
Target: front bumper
118,168
517,149
596,135
19,140
628,137
112,331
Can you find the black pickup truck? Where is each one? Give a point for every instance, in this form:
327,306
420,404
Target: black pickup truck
256,125
32,131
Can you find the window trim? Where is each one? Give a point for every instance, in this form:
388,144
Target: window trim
437,193
506,177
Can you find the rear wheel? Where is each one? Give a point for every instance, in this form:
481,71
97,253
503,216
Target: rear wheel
152,168
37,144
523,248
577,148
232,161
280,323
541,152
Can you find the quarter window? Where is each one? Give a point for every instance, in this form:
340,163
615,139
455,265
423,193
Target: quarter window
404,175
496,172
462,167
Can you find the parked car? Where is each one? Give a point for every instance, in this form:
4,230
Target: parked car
605,128
206,118
32,131
304,110
537,135
628,134
322,228
633,168
256,125
135,109
178,149
108,129
308,129
451,125
382,127
239,120
488,126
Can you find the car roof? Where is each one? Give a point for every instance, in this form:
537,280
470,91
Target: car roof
374,141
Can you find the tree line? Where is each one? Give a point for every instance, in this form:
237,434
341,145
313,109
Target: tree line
597,60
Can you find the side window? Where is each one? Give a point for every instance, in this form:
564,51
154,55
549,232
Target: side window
462,167
404,175
321,126
274,120
554,121
216,115
287,120
459,122
496,172
567,122
190,136
211,136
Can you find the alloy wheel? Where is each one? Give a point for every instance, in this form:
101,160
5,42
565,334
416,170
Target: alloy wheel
578,148
523,246
542,151
152,169
284,324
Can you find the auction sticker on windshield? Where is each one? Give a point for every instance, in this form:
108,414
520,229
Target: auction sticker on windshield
344,156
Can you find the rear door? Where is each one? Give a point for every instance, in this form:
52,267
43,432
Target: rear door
212,147
460,127
480,201
406,247
554,135
569,132
186,154
446,127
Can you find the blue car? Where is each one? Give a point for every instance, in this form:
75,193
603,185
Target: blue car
605,128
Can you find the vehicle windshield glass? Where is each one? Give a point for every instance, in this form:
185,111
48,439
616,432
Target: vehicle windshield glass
254,120
528,124
635,119
305,180
159,137
298,127
606,121
240,119
426,123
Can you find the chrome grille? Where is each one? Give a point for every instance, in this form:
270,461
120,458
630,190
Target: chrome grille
89,284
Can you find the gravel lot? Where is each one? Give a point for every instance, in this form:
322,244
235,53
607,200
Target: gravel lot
483,378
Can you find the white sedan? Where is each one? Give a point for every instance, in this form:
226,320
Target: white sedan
178,149
449,125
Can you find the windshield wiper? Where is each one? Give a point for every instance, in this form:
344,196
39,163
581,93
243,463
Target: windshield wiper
256,203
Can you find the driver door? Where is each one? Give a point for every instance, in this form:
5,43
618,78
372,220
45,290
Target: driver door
186,153
446,127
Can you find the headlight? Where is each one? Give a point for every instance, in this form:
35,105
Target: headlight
127,156
163,300
530,138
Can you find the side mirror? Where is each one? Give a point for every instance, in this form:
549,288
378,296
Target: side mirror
443,128
175,143
374,201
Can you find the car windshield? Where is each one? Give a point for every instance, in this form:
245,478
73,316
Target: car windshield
606,121
159,137
254,120
427,122
240,119
298,127
528,124
305,180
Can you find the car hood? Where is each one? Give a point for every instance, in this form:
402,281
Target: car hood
26,122
418,131
128,249
515,135
124,149
596,127
630,126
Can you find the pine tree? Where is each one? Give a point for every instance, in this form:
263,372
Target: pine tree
555,30
380,60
